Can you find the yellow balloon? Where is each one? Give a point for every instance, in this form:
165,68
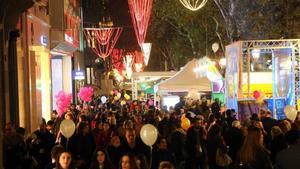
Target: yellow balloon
126,96
185,123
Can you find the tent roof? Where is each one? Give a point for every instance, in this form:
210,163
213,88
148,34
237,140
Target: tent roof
185,80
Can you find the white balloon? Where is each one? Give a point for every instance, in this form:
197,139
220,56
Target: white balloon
215,47
119,95
290,112
103,99
149,134
67,128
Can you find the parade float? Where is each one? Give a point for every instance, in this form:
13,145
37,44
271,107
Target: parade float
262,74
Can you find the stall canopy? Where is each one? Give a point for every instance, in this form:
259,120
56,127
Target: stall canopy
195,75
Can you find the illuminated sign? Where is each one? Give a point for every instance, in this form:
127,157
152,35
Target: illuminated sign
44,40
78,75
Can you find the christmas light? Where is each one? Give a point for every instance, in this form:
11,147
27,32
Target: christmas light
138,67
117,59
140,11
193,5
128,60
102,40
146,49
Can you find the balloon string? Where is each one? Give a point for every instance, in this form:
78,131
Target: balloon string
150,163
67,144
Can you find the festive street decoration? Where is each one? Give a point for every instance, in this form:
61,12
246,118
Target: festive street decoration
117,59
146,49
193,5
63,101
138,67
140,11
128,60
86,93
102,40
138,61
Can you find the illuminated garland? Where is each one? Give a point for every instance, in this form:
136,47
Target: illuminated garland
140,11
102,40
193,5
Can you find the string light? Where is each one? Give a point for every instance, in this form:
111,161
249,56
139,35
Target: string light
193,5
140,11
102,40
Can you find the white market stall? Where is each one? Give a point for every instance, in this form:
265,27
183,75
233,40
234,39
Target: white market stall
197,75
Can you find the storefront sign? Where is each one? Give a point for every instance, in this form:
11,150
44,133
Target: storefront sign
44,40
78,75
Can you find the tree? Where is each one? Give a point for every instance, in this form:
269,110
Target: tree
178,34
262,19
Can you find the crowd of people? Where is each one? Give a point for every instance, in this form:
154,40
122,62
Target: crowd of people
107,137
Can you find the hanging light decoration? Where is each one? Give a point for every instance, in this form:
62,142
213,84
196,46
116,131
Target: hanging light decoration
138,67
193,5
102,40
117,59
146,49
138,61
140,11
128,60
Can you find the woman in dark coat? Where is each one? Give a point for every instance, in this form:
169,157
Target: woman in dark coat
214,142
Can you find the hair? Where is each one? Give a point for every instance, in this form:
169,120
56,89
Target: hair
228,112
292,136
251,145
57,150
81,127
236,124
107,163
254,117
144,163
58,166
130,130
166,165
275,131
131,161
50,123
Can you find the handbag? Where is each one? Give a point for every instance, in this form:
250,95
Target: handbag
222,159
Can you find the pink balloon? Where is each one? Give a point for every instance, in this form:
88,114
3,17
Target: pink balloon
63,100
86,93
151,103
